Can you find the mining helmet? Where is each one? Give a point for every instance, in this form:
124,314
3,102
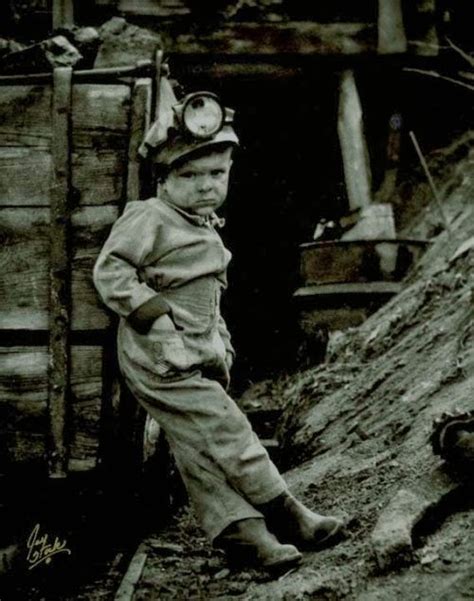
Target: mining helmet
197,121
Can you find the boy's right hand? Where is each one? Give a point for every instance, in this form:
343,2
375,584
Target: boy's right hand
163,323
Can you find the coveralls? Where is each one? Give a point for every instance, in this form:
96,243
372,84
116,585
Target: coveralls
156,250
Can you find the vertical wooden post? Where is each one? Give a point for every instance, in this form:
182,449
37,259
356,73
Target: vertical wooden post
158,67
60,301
387,188
391,32
355,156
426,37
63,13
139,125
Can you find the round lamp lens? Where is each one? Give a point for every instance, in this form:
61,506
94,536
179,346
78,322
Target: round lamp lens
203,116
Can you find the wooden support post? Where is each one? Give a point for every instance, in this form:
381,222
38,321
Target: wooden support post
60,302
391,32
157,87
139,124
353,146
63,13
387,188
426,37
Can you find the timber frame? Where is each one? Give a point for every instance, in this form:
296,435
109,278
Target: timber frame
68,153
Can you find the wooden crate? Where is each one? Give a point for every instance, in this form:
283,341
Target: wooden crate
99,142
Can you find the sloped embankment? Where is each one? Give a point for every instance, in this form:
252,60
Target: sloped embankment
358,426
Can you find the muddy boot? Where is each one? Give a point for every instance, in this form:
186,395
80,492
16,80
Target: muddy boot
248,542
292,522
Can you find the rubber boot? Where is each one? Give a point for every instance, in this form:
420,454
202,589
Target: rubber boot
248,542
294,523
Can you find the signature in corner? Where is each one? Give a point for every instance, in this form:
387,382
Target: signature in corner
40,549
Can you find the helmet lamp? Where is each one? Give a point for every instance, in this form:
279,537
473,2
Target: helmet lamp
202,115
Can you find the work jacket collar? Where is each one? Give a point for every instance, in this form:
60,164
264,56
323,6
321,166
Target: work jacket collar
211,220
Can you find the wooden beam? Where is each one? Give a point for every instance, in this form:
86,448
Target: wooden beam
391,31
290,38
160,69
144,68
387,188
24,285
126,590
139,124
60,309
426,41
63,13
24,410
353,145
154,8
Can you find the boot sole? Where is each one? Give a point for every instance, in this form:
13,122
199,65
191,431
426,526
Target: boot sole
332,538
284,563
238,561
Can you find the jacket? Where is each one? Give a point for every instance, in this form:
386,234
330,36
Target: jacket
160,259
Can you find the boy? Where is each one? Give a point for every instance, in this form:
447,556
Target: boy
163,269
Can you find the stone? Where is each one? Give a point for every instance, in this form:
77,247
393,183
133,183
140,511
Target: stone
124,44
87,40
392,536
7,46
51,53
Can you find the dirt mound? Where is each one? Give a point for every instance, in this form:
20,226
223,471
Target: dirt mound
356,435
358,427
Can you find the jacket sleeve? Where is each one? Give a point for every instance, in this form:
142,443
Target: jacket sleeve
115,273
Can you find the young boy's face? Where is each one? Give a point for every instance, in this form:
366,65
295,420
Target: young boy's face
200,185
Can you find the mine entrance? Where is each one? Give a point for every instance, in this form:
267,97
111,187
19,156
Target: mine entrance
287,175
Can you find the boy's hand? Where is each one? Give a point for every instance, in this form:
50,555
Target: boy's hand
164,322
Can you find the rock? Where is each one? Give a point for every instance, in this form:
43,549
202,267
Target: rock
7,46
391,537
124,44
222,574
60,52
51,53
87,40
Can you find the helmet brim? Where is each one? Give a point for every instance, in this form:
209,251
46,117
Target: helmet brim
180,147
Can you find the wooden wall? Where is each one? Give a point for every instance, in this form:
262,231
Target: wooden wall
100,147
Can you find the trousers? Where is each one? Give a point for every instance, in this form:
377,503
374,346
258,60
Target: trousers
224,466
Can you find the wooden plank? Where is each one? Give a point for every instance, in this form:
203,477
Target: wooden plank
24,255
154,8
294,37
59,272
391,32
139,124
387,188
25,118
355,156
100,115
126,590
23,404
97,176
63,13
100,144
25,176
426,42
100,111
352,289
104,75
91,227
